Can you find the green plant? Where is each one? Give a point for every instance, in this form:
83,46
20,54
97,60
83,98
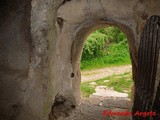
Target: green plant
94,46
87,90
105,47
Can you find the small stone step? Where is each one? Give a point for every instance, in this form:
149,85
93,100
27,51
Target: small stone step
117,103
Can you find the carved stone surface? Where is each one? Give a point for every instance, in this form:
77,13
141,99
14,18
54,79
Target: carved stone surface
41,43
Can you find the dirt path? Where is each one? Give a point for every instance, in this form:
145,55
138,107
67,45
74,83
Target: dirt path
91,75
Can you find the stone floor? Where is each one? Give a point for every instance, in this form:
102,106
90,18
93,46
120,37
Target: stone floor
105,102
104,91
94,109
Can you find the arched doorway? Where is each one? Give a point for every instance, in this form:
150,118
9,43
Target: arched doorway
105,65
81,36
72,30
69,49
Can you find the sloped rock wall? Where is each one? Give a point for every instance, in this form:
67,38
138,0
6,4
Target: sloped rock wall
41,44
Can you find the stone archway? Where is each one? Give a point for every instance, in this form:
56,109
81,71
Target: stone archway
80,37
73,28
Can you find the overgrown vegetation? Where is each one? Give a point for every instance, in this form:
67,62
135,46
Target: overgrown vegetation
105,47
120,83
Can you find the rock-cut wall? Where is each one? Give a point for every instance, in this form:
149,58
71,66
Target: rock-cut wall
15,45
41,43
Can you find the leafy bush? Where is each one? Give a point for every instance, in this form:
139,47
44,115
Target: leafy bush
107,46
94,45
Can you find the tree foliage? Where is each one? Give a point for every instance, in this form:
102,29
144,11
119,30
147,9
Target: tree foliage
94,45
109,42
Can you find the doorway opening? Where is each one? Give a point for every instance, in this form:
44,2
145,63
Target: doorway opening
106,70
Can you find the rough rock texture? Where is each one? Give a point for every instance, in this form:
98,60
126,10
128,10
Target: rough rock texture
14,55
41,43
89,111
26,89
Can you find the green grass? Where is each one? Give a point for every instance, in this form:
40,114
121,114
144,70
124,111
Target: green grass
119,82
104,61
87,90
